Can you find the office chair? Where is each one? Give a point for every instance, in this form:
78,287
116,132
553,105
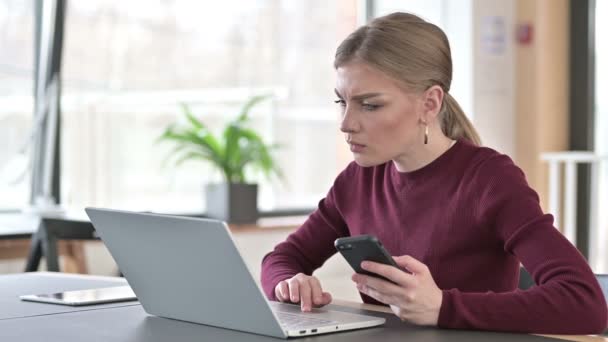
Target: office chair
525,279
526,282
603,280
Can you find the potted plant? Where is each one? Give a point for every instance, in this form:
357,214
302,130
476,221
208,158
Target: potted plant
239,147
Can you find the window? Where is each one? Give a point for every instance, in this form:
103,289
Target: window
16,111
128,65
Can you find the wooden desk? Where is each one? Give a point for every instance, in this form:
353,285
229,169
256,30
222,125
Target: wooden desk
74,260
16,231
380,308
36,237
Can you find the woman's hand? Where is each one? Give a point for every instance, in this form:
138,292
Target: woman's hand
413,297
303,289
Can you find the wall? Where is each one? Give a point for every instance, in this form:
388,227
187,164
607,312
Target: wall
493,70
521,90
542,88
516,94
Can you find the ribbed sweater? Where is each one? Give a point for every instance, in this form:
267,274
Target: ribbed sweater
471,217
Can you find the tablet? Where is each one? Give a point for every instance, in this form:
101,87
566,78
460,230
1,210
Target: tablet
85,297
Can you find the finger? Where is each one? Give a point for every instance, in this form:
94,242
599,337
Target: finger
411,264
375,294
277,292
389,272
294,291
283,291
305,295
378,284
326,299
317,292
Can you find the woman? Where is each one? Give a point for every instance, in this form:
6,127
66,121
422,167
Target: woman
458,217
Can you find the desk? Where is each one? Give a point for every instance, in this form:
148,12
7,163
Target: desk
128,322
47,232
17,229
581,338
14,285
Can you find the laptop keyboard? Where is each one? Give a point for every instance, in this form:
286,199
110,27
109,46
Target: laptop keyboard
295,321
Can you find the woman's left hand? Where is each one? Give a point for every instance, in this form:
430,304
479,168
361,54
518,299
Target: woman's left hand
413,297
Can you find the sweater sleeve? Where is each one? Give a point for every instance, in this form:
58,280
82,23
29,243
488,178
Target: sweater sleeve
567,299
309,247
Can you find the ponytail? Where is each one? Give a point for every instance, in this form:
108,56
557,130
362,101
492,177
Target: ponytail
415,52
455,124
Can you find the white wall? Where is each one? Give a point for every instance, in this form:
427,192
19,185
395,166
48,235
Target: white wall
482,43
455,19
494,70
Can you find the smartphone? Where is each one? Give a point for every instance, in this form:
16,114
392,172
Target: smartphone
85,297
356,249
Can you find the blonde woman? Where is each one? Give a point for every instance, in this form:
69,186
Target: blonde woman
459,218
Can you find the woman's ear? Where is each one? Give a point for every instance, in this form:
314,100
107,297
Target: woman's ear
433,99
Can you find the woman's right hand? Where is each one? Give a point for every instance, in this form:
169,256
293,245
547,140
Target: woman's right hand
303,289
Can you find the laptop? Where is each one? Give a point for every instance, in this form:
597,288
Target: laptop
190,269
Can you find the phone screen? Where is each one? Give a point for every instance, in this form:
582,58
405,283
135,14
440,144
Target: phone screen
85,297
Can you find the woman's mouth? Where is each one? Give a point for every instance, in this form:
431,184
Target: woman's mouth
356,148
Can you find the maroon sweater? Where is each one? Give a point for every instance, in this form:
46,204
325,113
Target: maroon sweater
471,217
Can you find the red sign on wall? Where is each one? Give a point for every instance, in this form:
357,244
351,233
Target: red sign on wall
524,33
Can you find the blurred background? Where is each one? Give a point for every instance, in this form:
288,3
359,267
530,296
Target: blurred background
532,75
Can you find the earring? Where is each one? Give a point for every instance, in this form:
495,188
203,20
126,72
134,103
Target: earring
426,134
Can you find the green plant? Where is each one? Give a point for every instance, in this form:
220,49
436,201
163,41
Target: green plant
238,147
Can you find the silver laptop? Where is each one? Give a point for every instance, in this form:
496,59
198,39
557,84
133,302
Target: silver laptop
190,269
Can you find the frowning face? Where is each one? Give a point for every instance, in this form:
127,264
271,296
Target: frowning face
380,119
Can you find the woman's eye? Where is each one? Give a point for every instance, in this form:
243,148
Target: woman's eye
340,102
370,107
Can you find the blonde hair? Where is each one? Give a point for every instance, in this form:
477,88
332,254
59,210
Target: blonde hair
412,51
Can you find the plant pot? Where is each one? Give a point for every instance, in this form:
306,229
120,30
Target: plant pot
232,202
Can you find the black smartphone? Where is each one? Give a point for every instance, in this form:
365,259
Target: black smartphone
356,249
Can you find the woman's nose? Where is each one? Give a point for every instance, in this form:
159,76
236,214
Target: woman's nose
348,124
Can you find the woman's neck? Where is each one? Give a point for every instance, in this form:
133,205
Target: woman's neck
422,155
